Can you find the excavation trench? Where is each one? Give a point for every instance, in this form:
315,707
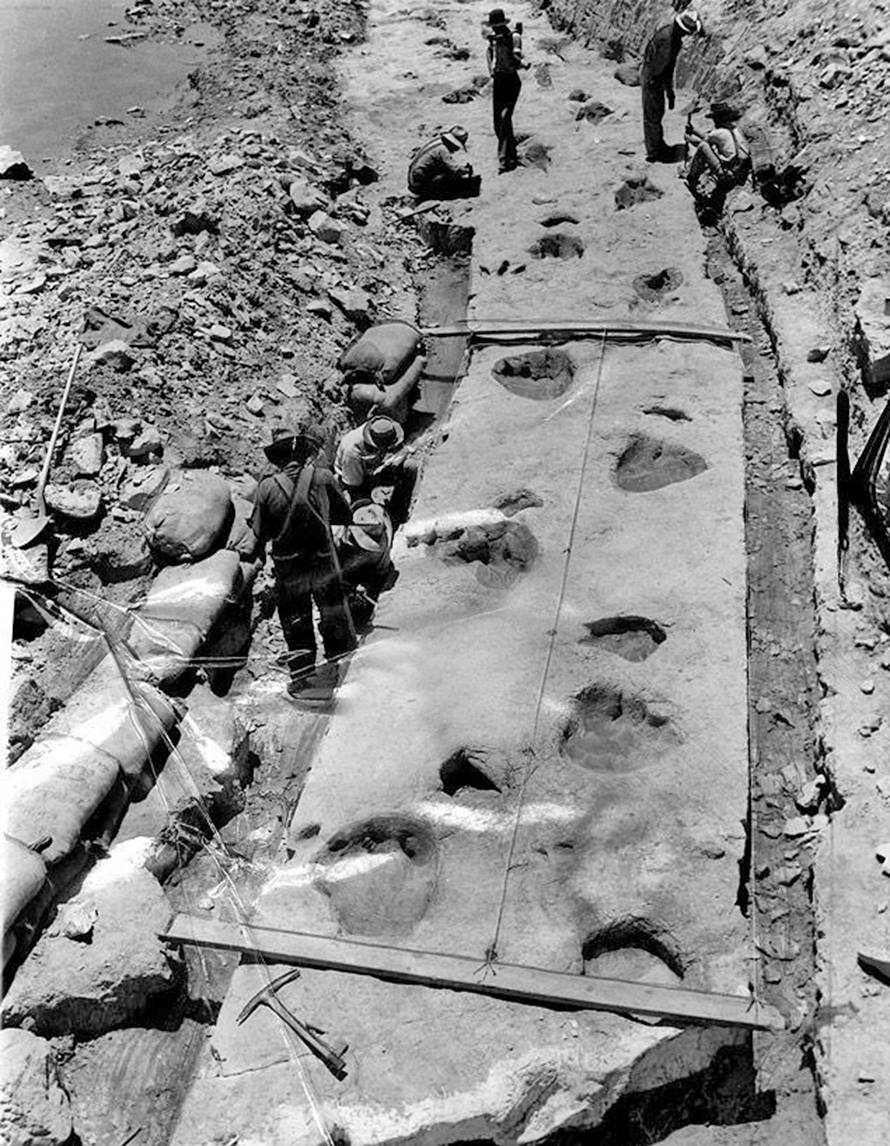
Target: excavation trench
775,889
753,1080
217,859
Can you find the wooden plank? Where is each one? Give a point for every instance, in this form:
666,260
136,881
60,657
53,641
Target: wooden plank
591,328
510,981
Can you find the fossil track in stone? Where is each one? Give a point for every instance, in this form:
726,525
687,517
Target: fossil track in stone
648,464
634,638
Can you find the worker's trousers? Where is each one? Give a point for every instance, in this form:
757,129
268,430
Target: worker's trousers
653,115
297,589
449,187
506,87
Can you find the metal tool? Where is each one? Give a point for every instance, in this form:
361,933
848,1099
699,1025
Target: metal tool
330,1054
28,529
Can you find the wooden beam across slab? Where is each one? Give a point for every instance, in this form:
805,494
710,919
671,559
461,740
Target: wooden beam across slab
523,329
460,973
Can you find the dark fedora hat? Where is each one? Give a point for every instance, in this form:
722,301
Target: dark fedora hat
284,438
382,434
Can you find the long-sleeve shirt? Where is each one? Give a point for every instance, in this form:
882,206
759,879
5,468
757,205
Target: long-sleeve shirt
434,162
660,56
355,461
308,530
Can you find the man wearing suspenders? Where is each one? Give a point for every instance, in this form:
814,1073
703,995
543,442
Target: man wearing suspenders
723,153
295,504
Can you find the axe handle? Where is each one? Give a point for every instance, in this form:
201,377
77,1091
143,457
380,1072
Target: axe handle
332,1060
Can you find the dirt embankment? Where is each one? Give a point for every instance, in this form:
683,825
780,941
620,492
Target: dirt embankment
817,79
213,260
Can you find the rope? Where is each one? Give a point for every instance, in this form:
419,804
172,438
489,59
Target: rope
140,710
491,952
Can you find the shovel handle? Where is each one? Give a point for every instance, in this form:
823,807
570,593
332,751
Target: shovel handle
47,461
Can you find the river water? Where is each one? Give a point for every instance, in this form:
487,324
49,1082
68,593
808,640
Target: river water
58,75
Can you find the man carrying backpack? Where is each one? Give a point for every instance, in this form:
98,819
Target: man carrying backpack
295,504
504,61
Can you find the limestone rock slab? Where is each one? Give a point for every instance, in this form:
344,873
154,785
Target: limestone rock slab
67,985
34,1107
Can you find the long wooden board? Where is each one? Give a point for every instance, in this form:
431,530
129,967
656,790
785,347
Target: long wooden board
461,973
589,328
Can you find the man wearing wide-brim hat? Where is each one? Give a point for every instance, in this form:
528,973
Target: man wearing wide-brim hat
296,503
723,153
440,168
365,549
369,458
657,79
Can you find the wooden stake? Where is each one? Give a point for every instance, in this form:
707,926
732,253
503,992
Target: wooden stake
511,981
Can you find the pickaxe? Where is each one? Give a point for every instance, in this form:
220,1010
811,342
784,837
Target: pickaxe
331,1056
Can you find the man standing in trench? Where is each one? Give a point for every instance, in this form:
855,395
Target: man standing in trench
295,504
657,79
504,61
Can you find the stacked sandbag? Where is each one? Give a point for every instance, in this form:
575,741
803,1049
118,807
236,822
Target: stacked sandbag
393,400
180,610
386,350
22,872
100,743
191,518
64,777
382,367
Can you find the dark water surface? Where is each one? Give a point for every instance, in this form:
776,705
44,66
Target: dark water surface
57,74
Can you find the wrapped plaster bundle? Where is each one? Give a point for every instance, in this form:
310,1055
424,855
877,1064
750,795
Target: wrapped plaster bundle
181,607
61,781
22,872
191,517
385,350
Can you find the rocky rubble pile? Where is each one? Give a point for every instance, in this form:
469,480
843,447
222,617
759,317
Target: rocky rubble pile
213,272
213,265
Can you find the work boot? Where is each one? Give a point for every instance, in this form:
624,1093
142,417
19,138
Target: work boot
327,675
308,694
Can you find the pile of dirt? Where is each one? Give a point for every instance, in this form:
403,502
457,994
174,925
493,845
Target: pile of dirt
213,265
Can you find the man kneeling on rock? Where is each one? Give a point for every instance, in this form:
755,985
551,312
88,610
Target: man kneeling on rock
438,170
371,465
722,156
295,504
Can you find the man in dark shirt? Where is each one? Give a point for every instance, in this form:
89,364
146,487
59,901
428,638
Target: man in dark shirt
440,170
504,57
295,504
657,79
